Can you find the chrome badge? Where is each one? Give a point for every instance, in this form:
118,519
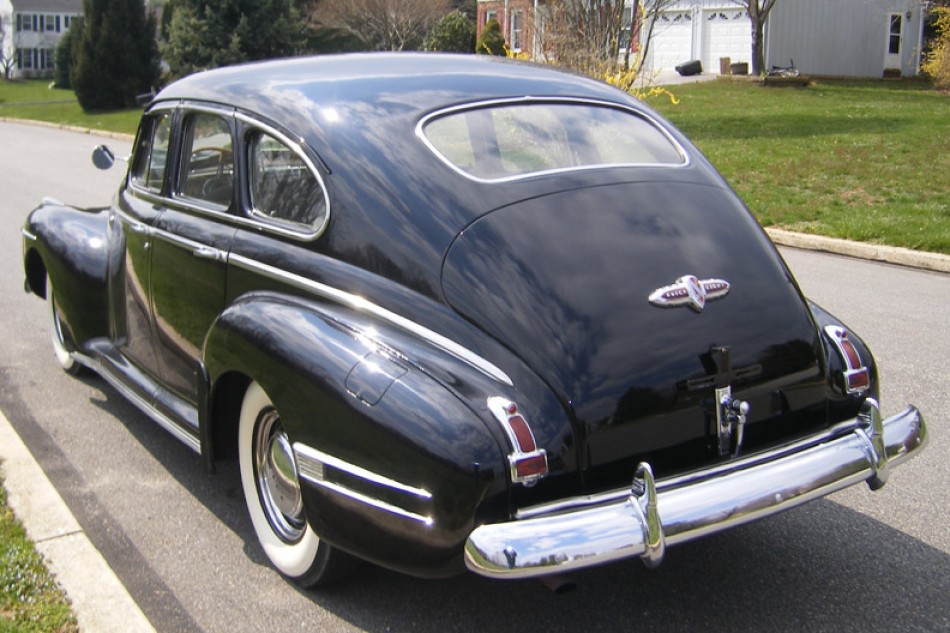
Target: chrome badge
691,291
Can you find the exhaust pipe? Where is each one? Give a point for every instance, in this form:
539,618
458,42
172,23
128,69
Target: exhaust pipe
558,583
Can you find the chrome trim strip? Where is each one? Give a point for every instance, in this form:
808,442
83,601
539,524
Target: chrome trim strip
708,502
25,233
420,133
146,407
304,452
311,462
359,303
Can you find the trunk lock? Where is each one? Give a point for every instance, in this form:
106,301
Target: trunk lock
731,415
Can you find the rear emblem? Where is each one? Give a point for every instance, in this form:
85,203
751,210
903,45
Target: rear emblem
688,290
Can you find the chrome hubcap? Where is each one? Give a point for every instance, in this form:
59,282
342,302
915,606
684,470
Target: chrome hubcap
276,475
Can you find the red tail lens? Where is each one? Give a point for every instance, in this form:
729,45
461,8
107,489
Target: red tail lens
855,375
527,462
533,466
522,433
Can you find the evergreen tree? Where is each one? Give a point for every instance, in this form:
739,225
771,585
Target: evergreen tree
491,41
206,34
454,33
117,54
64,56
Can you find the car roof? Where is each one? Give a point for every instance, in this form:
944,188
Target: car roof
290,89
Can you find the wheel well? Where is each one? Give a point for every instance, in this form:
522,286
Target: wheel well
35,273
225,414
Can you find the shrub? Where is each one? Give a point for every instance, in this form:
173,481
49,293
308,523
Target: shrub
491,41
454,33
937,62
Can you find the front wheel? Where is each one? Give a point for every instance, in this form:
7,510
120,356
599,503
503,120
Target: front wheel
274,501
61,348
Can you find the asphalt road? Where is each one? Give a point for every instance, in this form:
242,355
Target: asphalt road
181,542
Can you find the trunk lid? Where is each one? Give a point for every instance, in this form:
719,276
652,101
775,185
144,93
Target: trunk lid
564,281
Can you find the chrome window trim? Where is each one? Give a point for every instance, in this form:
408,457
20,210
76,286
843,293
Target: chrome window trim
297,147
311,464
359,303
130,176
420,133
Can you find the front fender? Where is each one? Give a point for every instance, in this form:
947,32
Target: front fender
394,467
71,246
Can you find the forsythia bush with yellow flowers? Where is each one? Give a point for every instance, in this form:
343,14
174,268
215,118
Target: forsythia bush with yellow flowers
937,62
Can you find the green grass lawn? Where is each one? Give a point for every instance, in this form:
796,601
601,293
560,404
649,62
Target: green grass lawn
30,599
867,161
35,100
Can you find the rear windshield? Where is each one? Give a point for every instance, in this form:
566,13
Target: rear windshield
511,140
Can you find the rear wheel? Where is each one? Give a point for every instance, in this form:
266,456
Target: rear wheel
61,349
272,493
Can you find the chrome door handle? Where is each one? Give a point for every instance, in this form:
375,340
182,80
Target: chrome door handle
206,252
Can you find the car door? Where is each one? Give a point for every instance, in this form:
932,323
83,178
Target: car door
132,221
190,250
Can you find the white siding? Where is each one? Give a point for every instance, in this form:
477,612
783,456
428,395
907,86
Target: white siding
845,38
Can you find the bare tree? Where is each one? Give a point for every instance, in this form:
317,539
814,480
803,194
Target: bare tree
7,32
650,11
392,25
583,35
758,14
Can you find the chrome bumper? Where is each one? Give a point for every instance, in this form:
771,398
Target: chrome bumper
588,531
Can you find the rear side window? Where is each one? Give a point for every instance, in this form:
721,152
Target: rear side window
283,186
511,140
151,155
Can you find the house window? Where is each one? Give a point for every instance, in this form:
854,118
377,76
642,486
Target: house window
517,28
50,23
25,58
894,35
626,29
24,22
491,15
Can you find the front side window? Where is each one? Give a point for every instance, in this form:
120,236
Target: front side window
283,186
511,140
151,155
207,172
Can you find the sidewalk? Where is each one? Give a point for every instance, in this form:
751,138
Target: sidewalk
99,599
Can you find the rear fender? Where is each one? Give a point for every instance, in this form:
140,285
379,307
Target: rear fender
70,245
344,392
843,405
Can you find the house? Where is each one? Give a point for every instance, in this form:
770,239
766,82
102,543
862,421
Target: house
29,32
846,38
517,20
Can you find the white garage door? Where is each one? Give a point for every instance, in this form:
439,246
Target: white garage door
672,39
726,33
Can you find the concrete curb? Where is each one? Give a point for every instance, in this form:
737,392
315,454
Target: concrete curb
936,262
70,128
98,597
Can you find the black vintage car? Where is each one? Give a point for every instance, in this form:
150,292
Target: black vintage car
450,312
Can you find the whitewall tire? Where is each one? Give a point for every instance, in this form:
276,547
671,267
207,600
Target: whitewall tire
61,349
272,493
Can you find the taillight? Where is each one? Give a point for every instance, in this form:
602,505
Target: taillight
856,378
527,463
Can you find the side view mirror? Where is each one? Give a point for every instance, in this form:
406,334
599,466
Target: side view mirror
103,157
